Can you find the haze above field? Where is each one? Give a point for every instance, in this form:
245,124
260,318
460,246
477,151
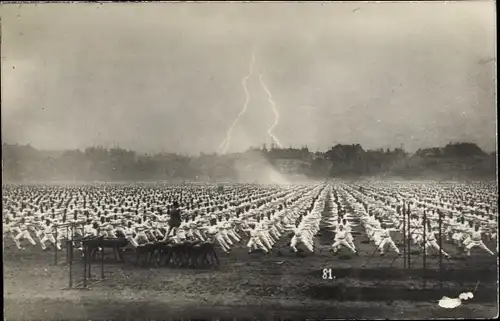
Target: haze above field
154,77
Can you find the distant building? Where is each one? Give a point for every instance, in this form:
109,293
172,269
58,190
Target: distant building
290,160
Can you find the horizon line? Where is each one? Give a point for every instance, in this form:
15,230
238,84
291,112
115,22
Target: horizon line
250,148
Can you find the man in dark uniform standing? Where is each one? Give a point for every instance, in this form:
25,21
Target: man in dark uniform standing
175,220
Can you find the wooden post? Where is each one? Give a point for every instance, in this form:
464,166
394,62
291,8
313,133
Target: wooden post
404,234
55,247
425,244
409,237
67,245
89,262
440,252
70,246
102,262
85,249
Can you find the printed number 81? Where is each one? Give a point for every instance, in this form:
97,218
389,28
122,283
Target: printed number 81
327,274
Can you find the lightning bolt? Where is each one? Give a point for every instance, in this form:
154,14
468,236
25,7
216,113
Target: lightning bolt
227,141
275,111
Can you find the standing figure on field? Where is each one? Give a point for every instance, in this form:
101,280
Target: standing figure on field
431,242
476,241
342,239
347,228
386,240
48,230
24,234
300,236
174,222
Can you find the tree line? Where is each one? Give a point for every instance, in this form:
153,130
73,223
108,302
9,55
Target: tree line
453,161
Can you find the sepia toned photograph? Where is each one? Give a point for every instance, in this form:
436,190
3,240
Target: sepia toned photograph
249,160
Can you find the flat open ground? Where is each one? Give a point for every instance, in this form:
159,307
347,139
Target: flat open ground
280,284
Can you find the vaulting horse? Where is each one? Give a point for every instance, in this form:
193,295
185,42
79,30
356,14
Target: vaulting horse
186,254
93,245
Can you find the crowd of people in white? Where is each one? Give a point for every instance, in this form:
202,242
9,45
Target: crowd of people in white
258,215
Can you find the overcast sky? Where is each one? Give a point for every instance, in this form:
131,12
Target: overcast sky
168,76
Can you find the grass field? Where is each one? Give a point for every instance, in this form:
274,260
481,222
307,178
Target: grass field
281,284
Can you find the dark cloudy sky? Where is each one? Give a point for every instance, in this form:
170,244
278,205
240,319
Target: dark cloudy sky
168,76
